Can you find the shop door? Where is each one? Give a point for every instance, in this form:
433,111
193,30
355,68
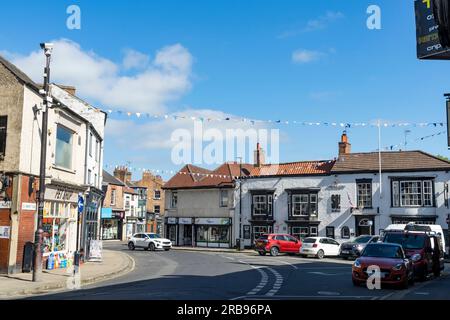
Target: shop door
172,232
187,235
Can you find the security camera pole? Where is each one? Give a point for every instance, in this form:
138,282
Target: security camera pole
37,263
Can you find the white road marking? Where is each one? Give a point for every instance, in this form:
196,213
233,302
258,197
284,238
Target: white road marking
278,283
262,283
328,293
322,273
422,293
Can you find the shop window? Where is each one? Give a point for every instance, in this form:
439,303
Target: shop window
345,232
63,147
224,198
258,231
202,234
336,203
364,193
300,232
3,127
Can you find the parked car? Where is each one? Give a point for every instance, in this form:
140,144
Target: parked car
423,247
277,243
395,267
419,227
149,241
319,247
353,249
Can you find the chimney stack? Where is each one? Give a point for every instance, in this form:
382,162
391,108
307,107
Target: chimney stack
344,146
69,89
259,156
123,174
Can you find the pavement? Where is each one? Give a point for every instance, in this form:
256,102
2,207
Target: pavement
114,264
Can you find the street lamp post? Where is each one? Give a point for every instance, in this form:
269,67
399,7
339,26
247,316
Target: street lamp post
240,202
37,262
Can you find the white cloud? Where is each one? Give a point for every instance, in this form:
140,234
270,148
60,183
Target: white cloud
135,60
156,83
319,23
306,56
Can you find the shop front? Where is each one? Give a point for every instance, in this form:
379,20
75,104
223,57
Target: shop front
186,231
90,227
60,225
258,228
172,229
303,229
112,224
212,232
140,225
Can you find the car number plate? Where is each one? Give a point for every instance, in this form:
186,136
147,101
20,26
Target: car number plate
345,251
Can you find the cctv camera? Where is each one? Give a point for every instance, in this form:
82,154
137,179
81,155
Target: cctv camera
48,48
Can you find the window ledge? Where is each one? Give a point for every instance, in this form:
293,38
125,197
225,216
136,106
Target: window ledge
64,169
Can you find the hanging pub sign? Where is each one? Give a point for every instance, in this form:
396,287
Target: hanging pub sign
432,29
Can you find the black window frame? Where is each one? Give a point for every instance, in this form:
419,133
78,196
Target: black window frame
399,180
364,181
308,193
334,208
267,212
3,135
342,232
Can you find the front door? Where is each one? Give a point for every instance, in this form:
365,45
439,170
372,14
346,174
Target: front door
365,226
187,235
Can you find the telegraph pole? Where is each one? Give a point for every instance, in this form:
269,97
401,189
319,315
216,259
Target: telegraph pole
37,263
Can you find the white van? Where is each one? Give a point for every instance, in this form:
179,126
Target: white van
419,227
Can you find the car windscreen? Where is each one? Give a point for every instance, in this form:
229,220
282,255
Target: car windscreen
382,251
309,240
406,240
363,239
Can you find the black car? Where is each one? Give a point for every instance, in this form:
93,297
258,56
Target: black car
353,249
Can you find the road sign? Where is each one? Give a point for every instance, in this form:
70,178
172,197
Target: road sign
428,30
80,204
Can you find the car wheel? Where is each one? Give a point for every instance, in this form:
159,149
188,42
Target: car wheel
151,246
166,249
345,258
274,251
404,284
320,254
422,276
131,246
356,283
262,253
437,273
146,249
412,279
303,256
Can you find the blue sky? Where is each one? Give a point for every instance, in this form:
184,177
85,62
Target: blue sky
241,63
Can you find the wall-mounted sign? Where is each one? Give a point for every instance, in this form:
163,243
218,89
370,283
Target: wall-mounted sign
246,232
171,220
213,221
185,220
29,206
5,204
4,232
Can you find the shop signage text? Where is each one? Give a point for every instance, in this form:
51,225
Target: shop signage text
29,206
212,221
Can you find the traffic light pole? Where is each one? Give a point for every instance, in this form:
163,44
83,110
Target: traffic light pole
37,261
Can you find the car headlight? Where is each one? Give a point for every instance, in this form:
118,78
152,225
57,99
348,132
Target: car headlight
359,247
416,257
398,267
357,264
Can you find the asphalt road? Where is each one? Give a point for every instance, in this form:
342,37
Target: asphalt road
187,275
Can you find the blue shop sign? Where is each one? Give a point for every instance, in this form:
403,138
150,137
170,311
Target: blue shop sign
107,213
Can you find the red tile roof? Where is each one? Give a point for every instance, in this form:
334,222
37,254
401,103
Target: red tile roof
293,168
191,176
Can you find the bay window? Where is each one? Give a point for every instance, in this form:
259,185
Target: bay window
303,204
262,204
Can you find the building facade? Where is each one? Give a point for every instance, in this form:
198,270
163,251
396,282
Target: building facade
113,210
155,201
200,208
20,122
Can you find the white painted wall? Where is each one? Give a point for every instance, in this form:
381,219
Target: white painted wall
346,188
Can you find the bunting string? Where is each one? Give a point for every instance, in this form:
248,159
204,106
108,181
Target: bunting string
396,146
140,115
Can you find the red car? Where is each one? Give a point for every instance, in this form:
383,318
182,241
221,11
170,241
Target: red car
277,243
395,268
423,248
